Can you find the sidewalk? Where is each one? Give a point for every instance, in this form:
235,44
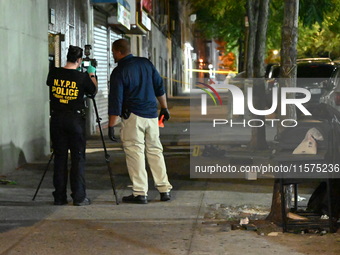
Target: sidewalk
194,222
37,227
181,226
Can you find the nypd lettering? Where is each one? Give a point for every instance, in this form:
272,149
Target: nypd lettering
65,90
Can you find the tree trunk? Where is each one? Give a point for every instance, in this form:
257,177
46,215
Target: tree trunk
275,214
258,17
241,55
261,37
252,12
288,74
258,134
288,53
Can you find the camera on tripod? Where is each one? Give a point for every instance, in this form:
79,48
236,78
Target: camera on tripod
87,61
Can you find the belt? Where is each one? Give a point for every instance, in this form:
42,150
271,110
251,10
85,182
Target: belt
80,111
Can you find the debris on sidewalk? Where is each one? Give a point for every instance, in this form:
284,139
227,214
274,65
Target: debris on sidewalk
5,182
250,227
323,232
227,212
237,217
324,217
244,221
245,224
273,233
295,216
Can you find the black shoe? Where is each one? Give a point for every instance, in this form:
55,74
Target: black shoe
86,201
165,196
60,202
59,199
135,199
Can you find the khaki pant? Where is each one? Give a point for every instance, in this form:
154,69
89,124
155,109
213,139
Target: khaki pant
140,136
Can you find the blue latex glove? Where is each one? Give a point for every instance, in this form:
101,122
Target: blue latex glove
91,69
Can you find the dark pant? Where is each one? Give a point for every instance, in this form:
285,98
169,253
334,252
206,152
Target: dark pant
68,133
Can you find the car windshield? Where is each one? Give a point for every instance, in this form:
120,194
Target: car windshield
314,71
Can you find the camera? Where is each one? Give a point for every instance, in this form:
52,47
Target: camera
87,61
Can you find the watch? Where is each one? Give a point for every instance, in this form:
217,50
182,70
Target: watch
93,76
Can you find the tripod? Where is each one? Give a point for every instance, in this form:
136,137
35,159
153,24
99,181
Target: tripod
107,156
43,176
107,159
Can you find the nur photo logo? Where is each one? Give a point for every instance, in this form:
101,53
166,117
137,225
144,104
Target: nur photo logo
204,86
241,100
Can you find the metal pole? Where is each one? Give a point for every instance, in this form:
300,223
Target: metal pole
107,156
43,176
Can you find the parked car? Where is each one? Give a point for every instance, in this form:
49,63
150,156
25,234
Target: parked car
314,60
313,76
310,75
332,90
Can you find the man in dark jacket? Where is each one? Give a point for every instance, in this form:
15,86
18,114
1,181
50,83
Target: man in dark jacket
135,87
67,89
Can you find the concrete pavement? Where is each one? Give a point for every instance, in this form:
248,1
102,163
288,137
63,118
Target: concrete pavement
181,226
176,227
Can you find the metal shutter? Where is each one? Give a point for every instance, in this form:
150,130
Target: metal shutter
113,37
101,54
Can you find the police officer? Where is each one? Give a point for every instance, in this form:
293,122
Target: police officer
68,87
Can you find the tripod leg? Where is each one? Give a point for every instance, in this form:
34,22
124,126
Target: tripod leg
107,156
43,176
111,178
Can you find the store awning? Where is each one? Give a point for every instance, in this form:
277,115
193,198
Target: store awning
124,16
119,16
122,2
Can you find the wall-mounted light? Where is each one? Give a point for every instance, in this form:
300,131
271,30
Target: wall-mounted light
193,17
188,46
